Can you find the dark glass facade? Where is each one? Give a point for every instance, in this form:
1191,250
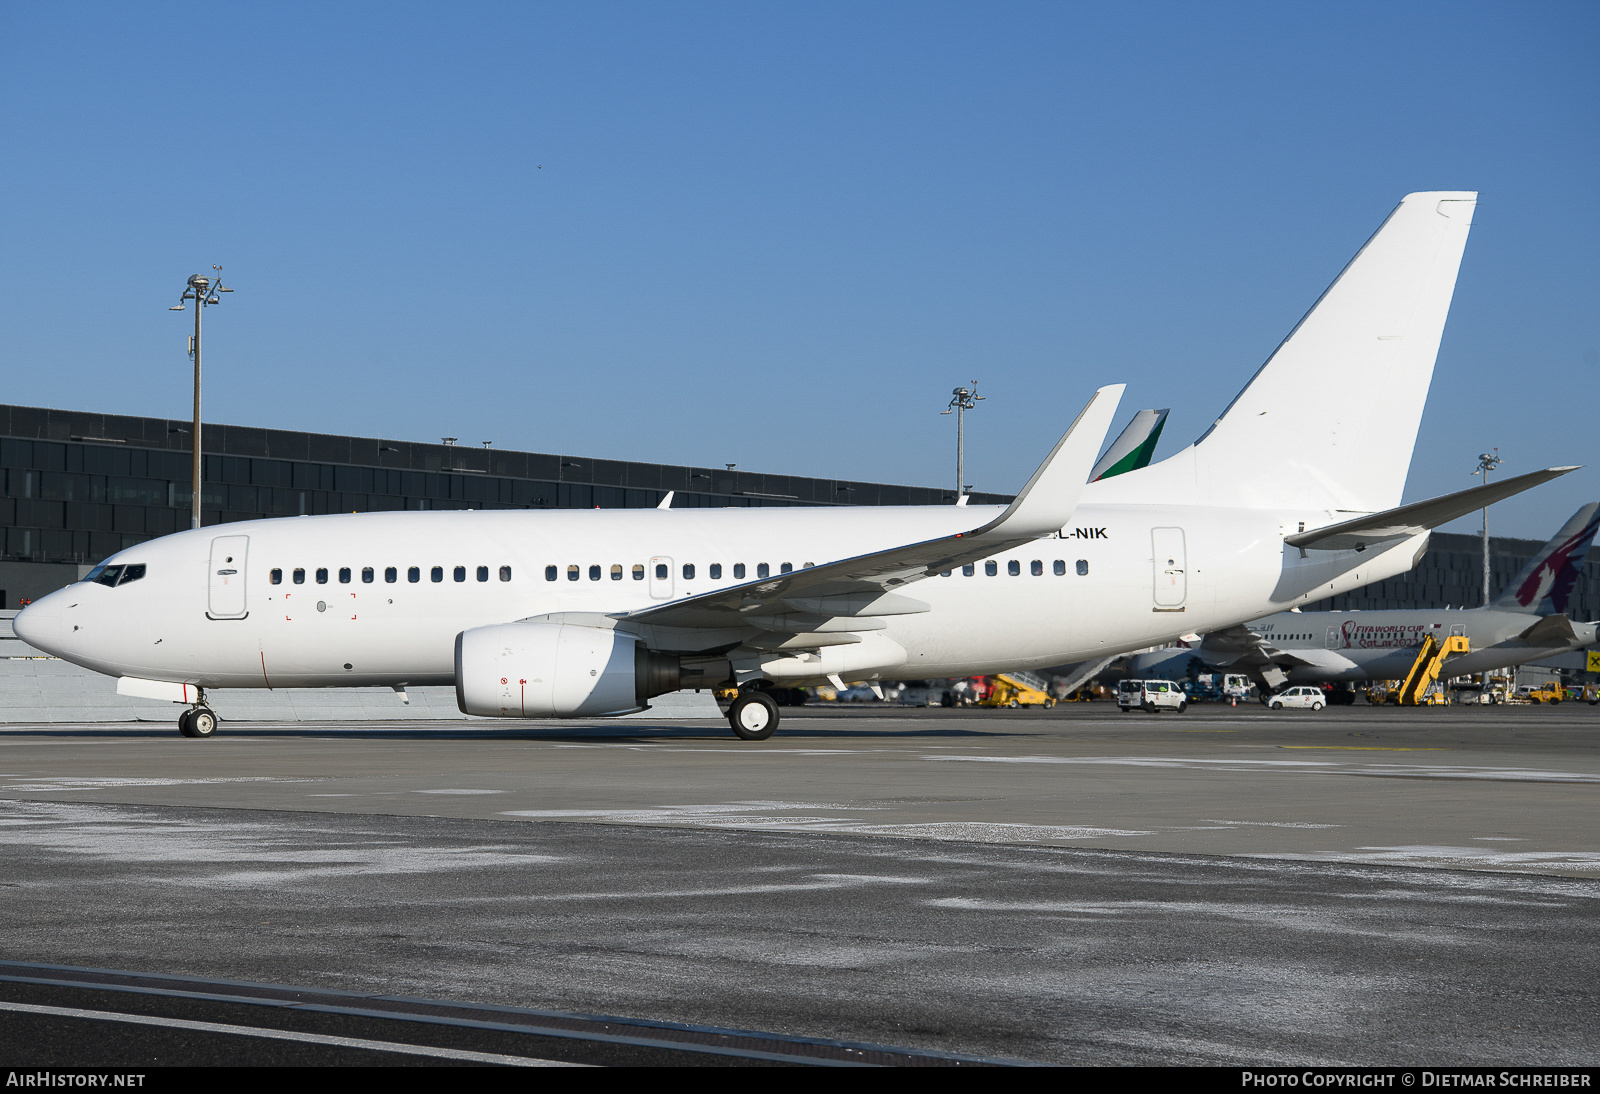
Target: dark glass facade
76,487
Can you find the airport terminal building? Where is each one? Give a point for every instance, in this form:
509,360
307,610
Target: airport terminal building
79,486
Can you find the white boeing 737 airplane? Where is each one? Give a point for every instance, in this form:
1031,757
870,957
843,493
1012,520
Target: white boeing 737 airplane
1290,496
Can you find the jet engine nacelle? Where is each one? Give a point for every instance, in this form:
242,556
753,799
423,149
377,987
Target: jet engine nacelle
557,670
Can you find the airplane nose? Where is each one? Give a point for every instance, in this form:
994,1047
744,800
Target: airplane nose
39,624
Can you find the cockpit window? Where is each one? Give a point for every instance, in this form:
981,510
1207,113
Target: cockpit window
111,576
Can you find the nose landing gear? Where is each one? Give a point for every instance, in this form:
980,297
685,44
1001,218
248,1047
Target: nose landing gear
198,721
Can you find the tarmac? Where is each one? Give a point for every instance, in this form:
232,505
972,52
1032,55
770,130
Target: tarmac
1227,886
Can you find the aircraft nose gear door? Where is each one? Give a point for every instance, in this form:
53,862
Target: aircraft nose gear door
226,576
1171,569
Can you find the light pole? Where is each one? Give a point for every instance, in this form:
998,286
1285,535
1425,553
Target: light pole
962,400
203,291
1487,462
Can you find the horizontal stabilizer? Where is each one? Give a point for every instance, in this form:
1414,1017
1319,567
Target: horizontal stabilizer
1421,516
1552,631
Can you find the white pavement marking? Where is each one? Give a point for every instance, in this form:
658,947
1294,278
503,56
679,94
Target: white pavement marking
1436,855
288,1035
58,783
1317,767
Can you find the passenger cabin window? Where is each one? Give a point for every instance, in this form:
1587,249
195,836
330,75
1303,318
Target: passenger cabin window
991,568
786,568
946,573
714,571
594,573
688,571
460,573
550,573
1060,567
344,575
1036,568
1014,568
367,575
1083,567
483,573
738,571
572,573
437,574
763,570
638,571
391,575
276,577
616,572
505,573
414,574
322,575
968,570
661,571
299,577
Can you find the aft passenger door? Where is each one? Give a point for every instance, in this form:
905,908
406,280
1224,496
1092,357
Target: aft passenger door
1171,569
226,577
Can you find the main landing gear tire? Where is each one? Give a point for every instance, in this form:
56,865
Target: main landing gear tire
753,716
199,722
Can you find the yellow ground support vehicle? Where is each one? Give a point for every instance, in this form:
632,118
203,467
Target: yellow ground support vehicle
1541,693
1018,689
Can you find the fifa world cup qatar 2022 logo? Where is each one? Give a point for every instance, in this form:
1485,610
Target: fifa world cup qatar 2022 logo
1368,636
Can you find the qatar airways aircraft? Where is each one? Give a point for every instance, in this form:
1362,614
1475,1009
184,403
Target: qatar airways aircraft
1527,621
1290,496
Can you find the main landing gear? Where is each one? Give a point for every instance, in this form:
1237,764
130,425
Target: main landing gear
198,721
753,716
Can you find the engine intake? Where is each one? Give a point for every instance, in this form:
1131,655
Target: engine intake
557,670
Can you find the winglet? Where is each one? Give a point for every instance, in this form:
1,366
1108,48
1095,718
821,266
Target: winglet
666,502
1047,502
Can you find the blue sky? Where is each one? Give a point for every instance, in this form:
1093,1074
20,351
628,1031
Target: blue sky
777,235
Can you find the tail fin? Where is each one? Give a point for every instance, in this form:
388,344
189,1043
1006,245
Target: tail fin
1330,421
1544,587
1133,447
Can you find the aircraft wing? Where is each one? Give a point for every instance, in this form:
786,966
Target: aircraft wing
865,584
1421,516
1238,647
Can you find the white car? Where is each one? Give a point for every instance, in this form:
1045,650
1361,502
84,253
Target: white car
1307,698
1151,696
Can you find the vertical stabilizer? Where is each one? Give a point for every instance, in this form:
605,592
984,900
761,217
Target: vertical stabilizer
1133,447
1544,586
1330,421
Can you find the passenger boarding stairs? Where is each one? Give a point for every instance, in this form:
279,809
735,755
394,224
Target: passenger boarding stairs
1427,668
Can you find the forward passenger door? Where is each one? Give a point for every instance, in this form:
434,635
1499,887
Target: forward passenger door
226,576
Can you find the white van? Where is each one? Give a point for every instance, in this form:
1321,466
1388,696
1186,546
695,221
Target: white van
1151,696
1306,698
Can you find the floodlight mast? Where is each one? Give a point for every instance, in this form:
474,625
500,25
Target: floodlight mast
962,400
1487,462
203,291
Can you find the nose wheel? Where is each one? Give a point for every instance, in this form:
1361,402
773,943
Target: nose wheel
199,722
753,716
